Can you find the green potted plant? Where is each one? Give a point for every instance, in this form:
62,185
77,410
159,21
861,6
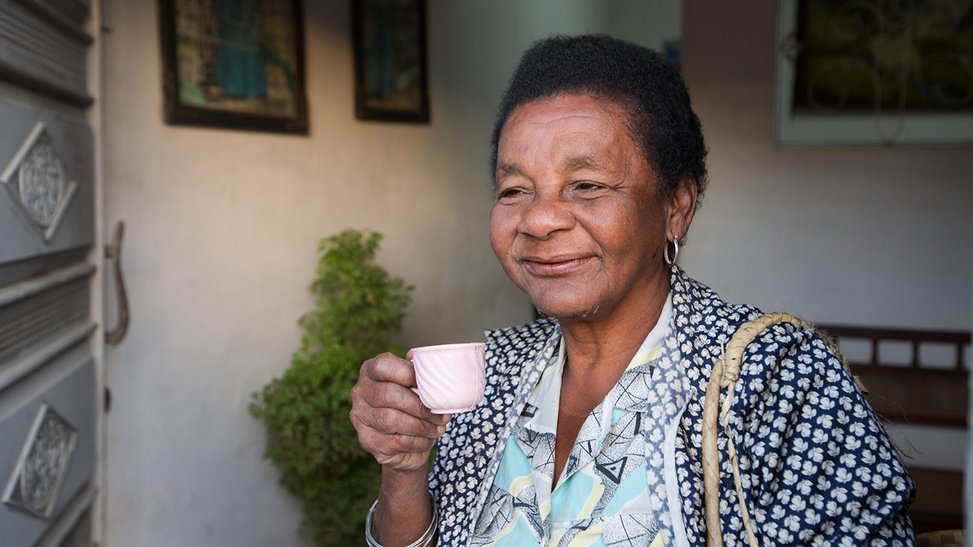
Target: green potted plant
359,310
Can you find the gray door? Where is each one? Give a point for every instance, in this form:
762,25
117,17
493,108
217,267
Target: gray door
48,409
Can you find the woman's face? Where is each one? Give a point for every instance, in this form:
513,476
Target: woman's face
579,223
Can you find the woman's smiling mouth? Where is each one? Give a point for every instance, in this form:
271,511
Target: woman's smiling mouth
553,267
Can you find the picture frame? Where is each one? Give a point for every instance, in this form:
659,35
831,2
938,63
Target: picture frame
234,65
391,80
891,82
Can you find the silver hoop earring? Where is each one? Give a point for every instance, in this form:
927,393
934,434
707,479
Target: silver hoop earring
670,260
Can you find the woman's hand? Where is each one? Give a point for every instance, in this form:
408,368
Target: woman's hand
391,421
395,427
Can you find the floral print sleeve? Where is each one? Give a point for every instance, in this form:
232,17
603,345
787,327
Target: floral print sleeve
816,465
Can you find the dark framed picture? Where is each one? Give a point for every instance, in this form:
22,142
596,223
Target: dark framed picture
236,64
871,72
390,60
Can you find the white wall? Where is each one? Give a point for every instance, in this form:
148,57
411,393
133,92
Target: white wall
863,235
878,236
222,235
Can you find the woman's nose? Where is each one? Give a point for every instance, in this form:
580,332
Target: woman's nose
544,215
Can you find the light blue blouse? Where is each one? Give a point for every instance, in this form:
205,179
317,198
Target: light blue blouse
601,497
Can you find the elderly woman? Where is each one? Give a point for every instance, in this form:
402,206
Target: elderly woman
590,429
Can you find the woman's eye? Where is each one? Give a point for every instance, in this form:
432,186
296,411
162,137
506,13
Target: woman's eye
509,193
587,185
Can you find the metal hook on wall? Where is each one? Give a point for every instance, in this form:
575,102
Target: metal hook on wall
113,252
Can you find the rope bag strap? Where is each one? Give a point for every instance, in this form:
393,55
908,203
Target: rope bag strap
726,372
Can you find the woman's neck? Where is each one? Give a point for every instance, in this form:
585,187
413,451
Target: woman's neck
598,350
600,347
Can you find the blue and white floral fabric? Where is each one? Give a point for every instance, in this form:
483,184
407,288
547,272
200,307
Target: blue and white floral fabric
816,466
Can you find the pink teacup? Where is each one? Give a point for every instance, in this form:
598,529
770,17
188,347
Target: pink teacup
450,376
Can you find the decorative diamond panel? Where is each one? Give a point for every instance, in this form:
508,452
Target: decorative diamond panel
36,480
36,179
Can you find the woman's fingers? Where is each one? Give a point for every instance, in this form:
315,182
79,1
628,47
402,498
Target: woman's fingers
393,422
381,433
399,397
385,381
389,368
390,420
385,444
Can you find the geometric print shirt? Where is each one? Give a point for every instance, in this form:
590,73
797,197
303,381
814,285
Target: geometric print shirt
601,497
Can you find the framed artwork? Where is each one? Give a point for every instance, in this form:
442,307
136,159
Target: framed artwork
874,72
390,60
236,64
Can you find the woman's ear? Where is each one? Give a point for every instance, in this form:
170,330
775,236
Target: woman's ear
682,208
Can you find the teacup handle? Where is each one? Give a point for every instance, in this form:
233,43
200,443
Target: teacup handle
408,357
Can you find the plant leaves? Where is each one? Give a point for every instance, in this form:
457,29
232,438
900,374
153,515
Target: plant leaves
359,308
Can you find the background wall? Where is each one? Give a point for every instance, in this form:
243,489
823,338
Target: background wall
863,235
879,236
222,230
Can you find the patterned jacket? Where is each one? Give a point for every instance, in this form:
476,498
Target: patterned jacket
816,466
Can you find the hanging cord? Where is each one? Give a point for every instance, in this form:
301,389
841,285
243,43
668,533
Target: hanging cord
726,372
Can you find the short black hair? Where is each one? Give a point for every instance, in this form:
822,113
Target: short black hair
661,117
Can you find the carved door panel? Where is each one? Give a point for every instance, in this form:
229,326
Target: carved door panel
48,407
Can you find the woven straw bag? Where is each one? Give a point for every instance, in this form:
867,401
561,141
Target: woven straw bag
726,372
